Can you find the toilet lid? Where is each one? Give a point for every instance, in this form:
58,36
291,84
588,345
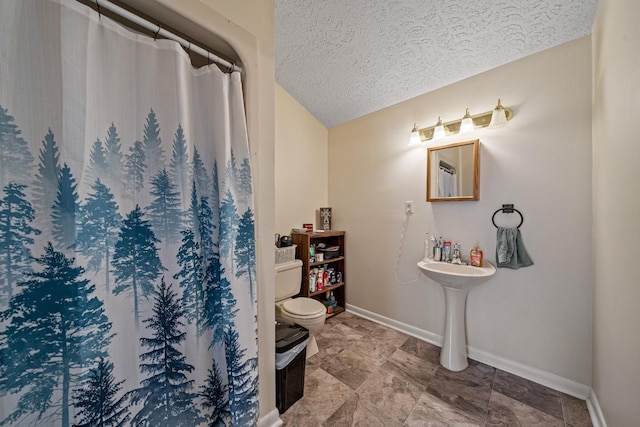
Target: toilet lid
304,307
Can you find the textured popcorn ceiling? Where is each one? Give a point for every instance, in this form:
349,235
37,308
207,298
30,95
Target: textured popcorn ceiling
342,59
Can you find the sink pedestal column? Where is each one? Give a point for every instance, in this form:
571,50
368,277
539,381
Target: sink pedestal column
453,355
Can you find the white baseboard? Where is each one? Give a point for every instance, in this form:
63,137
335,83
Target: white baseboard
536,375
272,419
421,334
597,417
539,376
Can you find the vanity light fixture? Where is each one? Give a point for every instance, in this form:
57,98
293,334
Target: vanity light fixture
496,118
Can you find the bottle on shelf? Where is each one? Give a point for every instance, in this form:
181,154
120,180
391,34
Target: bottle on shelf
312,280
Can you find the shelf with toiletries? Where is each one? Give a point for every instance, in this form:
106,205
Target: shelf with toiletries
323,267
326,289
326,261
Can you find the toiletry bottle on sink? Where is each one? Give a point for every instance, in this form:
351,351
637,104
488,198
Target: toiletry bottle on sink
446,251
476,256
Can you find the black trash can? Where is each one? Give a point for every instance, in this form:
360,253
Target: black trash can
291,356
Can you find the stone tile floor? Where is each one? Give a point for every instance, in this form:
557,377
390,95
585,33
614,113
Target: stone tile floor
369,375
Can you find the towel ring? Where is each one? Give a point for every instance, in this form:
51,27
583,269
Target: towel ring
507,209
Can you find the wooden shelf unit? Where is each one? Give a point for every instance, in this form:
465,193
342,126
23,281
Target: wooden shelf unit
330,238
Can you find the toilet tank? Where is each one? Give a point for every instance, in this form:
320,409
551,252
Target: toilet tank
288,279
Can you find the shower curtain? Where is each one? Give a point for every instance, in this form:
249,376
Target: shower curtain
127,259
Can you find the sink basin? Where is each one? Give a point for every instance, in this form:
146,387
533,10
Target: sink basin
456,281
455,275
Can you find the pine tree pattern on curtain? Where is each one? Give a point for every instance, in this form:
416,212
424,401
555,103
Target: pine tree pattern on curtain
127,242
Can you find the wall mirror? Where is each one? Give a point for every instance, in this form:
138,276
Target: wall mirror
453,172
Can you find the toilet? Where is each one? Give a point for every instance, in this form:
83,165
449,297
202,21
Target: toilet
306,312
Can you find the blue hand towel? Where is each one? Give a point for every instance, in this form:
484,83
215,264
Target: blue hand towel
510,250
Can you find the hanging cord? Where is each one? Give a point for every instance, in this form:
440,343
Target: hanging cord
405,223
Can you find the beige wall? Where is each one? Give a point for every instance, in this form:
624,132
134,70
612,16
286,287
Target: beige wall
537,317
301,164
616,208
247,26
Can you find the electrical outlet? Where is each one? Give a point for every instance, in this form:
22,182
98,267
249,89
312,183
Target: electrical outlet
408,207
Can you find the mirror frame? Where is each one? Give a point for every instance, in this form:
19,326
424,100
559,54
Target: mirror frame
475,175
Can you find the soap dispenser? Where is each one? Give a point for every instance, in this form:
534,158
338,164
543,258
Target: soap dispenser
476,256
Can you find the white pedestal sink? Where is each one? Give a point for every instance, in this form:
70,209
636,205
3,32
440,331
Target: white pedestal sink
456,280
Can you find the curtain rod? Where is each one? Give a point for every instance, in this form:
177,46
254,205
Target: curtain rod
159,31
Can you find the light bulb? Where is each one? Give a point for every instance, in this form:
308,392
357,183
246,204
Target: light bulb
415,136
438,131
467,123
498,117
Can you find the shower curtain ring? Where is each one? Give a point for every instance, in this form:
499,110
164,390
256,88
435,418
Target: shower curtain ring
155,35
98,9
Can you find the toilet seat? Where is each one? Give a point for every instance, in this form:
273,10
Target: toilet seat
304,308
